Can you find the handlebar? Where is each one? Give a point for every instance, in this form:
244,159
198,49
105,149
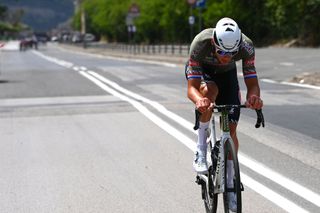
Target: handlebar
260,117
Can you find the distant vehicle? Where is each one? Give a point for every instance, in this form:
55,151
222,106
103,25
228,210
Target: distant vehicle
89,37
28,43
76,38
54,38
42,37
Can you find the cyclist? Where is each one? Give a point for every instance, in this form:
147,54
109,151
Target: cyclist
212,78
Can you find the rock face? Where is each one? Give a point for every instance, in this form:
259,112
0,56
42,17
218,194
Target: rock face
42,15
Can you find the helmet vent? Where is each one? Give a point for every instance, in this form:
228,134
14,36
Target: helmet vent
228,24
229,29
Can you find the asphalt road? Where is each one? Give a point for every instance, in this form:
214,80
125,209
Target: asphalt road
86,133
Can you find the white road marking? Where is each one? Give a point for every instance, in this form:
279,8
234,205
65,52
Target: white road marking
290,84
281,180
54,60
300,85
272,196
288,64
269,81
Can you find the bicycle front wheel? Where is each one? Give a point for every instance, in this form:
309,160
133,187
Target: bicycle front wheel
209,198
236,188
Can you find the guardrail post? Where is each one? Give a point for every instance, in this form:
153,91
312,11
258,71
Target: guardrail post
153,49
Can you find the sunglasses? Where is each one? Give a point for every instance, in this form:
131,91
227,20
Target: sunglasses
224,53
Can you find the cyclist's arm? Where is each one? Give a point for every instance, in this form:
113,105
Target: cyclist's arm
253,93
193,90
202,103
250,76
194,77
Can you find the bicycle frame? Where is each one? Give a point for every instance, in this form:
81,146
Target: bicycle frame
219,178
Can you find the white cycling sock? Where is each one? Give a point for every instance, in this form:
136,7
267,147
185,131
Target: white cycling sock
230,173
202,137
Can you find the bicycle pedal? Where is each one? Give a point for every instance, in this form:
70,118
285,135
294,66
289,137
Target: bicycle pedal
198,180
241,187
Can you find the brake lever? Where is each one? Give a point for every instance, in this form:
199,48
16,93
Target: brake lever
197,119
260,118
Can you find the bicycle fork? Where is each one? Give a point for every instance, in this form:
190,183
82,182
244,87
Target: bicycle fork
218,162
219,176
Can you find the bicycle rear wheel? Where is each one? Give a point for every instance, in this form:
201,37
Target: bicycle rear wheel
209,198
237,187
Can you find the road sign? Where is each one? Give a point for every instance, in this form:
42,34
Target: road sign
129,20
191,20
134,10
201,3
192,2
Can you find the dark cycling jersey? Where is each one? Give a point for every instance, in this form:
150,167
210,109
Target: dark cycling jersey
201,57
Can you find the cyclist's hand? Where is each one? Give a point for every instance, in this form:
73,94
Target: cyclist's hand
204,104
254,102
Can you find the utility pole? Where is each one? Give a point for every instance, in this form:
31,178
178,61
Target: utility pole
83,21
79,7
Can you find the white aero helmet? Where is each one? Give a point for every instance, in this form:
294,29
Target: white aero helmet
227,35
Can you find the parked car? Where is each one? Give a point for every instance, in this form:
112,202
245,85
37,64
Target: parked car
76,38
89,37
54,38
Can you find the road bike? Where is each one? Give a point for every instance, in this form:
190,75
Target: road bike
219,151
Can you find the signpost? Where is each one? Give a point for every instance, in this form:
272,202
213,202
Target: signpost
200,4
191,17
133,12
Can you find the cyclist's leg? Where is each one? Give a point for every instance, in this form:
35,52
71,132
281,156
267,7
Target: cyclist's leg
209,90
229,93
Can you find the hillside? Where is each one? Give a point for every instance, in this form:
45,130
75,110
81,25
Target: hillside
42,15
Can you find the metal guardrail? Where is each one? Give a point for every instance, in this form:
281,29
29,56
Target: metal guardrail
160,49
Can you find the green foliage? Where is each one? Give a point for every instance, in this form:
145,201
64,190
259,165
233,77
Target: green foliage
162,21
3,12
264,21
105,17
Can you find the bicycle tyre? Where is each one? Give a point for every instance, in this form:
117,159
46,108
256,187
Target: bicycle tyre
210,199
230,149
